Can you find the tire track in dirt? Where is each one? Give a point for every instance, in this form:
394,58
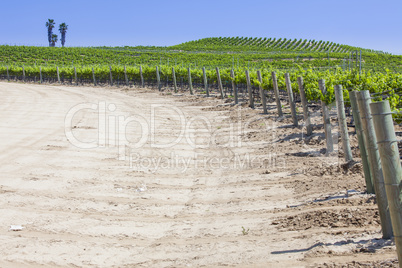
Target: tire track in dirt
96,207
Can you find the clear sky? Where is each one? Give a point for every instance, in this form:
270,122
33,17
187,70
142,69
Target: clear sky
364,23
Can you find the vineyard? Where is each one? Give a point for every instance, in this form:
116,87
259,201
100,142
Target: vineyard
228,152
266,44
209,53
388,83
376,71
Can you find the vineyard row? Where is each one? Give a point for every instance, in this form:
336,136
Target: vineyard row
388,83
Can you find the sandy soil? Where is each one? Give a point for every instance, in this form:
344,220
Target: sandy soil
134,178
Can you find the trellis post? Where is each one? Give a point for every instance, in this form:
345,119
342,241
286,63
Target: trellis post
363,101
125,76
158,78
326,118
262,93
142,78
189,81
58,74
93,76
306,113
342,122
75,75
250,91
174,80
111,77
234,87
204,75
361,142
291,99
277,97
219,82
391,165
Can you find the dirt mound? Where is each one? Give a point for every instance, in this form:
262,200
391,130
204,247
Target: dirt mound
348,217
360,264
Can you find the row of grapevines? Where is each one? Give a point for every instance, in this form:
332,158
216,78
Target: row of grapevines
388,83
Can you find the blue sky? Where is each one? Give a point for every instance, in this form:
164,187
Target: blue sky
369,24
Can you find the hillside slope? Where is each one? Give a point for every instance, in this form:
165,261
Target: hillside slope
266,44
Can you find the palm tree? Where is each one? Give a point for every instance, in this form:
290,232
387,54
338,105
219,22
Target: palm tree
63,29
50,25
53,40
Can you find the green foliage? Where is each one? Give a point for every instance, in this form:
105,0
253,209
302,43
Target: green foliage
306,58
244,231
225,56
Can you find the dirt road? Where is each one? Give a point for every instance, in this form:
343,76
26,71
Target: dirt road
112,178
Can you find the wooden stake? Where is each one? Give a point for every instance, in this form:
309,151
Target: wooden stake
93,75
76,77
158,78
361,142
58,74
111,77
234,88
40,74
391,166
142,78
174,80
262,93
23,73
204,75
189,81
291,99
342,123
326,118
276,90
125,76
250,91
363,101
306,113
8,76
219,82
